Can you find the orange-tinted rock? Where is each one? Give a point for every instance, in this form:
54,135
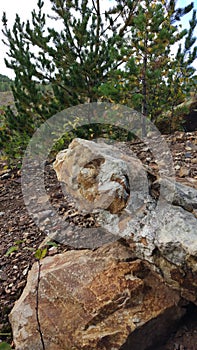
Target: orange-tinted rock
93,300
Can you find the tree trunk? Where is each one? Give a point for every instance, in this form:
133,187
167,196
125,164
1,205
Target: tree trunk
144,90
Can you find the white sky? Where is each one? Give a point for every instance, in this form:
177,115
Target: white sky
24,8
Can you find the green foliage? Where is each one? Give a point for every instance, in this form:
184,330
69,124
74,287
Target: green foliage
121,55
5,83
52,244
154,80
11,250
5,346
40,253
72,63
15,247
93,131
74,60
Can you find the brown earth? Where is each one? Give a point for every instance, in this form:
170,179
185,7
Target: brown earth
18,230
6,98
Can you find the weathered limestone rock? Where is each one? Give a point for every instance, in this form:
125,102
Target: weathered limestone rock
94,300
165,236
184,196
100,177
176,241
168,239
103,180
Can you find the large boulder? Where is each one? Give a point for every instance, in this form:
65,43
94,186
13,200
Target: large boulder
103,180
101,177
94,300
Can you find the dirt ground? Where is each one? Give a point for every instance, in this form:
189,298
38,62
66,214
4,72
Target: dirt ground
18,230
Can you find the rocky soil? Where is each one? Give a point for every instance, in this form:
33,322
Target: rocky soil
20,237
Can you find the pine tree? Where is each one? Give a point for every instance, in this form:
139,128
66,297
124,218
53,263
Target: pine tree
180,78
160,79
57,69
155,81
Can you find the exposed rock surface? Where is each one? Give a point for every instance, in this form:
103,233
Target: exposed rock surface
162,233
184,196
94,300
100,176
16,225
176,245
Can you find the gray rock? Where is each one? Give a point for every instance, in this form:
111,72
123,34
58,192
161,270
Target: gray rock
176,235
184,196
176,249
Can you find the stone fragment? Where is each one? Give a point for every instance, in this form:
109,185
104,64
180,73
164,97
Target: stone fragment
6,176
3,276
184,171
